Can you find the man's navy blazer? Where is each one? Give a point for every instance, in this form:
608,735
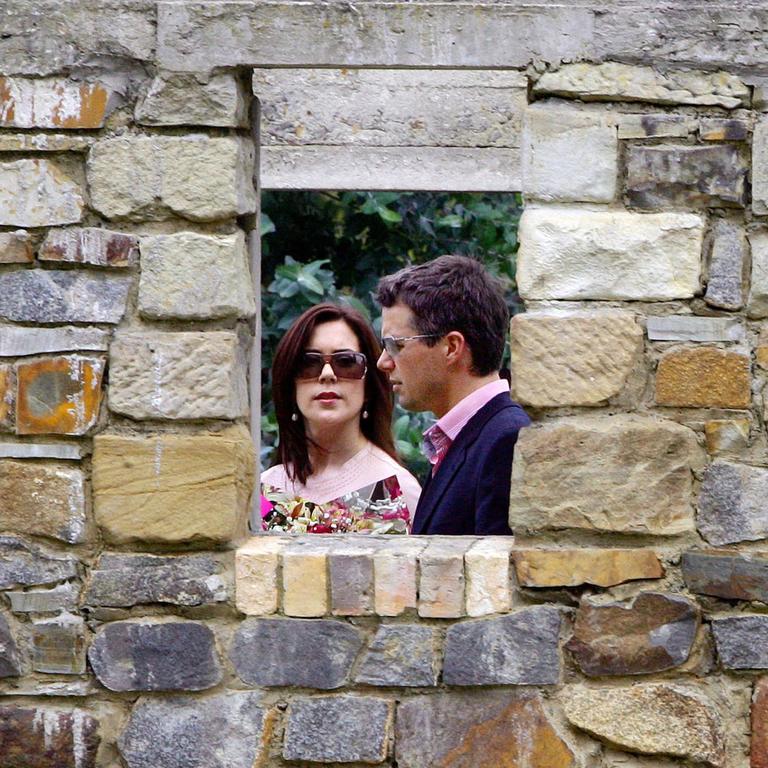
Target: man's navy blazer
469,493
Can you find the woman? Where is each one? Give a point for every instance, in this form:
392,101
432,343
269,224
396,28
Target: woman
334,409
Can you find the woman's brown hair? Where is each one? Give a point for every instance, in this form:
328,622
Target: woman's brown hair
292,448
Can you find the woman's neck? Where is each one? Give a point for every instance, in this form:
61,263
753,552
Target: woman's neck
333,449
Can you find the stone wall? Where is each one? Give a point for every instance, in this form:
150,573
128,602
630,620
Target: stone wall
624,627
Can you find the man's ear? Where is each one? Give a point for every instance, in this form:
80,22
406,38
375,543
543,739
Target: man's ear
455,347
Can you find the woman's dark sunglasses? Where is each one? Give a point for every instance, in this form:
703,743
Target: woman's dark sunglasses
345,365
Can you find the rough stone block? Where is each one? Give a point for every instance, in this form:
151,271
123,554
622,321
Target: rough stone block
520,648
724,129
488,576
441,578
305,583
173,488
38,193
58,645
394,572
64,597
150,656
19,341
645,126
757,306
24,565
188,99
100,247
196,177
7,397
45,142
662,176
9,652
760,166
567,253
189,276
728,575
273,652
119,580
573,474
759,722
163,375
691,328
15,248
611,81
655,719
569,155
726,436
572,358
256,564
360,732
400,655
351,578
60,395
47,450
706,377
43,499
574,567
53,296
228,730
741,641
484,730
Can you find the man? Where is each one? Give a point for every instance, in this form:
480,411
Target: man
443,325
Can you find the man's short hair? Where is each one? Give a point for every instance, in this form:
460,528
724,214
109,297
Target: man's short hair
453,293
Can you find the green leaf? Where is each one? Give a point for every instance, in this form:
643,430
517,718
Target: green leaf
266,225
454,220
388,215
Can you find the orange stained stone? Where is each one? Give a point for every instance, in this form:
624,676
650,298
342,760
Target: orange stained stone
761,356
705,377
759,747
59,395
6,396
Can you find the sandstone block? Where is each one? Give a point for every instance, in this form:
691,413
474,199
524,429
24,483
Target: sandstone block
15,248
760,166
484,730
351,578
655,719
574,567
661,176
741,641
58,645
488,573
305,583
7,397
20,341
394,572
190,276
723,129
728,575
520,648
726,435
400,655
64,597
45,142
706,377
38,193
150,656
196,177
645,126
256,564
611,81
163,375
361,729
586,458
757,306
690,328
187,99
43,499
759,721
569,155
23,564
273,652
441,581
572,358
567,253
9,652
100,247
173,488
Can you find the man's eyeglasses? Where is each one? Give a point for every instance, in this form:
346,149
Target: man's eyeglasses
393,345
345,365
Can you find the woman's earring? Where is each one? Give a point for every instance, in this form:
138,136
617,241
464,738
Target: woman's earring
294,416
365,414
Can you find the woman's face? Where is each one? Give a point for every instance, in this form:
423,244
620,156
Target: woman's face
328,402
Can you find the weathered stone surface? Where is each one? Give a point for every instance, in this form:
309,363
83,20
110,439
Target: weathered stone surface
741,641
59,395
63,597
611,81
482,730
441,578
732,503
150,656
691,328
395,578
23,564
706,377
43,499
487,569
53,296
305,583
573,567
256,564
760,166
272,652
569,155
45,142
186,99
757,306
47,737
727,574
759,722
587,460
159,375
191,276
661,176
51,103
15,248
173,488
567,253
723,129
400,655
66,451
650,633
726,435
100,247
642,126
662,719
7,397
9,652
38,193
18,341
518,649
361,729
229,730
197,177
351,577
572,358
124,580
58,645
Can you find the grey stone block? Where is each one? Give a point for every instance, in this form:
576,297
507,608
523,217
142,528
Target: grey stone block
690,328
351,575
757,304
64,451
223,731
61,598
400,655
16,342
147,656
58,645
273,652
23,564
9,652
742,641
727,264
338,729
518,649
731,576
